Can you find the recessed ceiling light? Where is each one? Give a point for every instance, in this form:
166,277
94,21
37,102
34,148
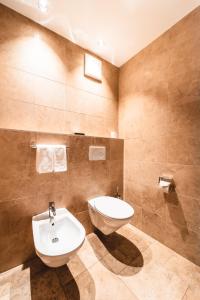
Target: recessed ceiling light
43,5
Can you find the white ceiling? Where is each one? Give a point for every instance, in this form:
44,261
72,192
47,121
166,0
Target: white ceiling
124,26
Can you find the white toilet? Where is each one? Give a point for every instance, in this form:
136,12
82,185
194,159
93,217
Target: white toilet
56,244
108,213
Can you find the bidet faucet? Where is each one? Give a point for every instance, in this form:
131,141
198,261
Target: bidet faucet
52,210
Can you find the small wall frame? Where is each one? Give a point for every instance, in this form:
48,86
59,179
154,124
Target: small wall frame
92,67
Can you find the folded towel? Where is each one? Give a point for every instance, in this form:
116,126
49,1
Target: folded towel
44,159
60,158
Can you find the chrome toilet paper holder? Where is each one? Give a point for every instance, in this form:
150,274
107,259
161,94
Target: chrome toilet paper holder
166,183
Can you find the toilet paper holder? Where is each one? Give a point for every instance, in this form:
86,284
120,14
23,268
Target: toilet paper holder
166,183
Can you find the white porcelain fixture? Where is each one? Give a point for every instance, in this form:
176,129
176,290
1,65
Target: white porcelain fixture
93,67
65,229
108,213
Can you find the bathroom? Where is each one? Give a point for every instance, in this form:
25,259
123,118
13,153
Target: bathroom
99,150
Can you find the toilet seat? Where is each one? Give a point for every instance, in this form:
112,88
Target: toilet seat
113,208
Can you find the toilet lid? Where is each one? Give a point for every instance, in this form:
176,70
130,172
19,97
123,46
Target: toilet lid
113,207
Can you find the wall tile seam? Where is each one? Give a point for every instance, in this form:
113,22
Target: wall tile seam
56,109
64,83
95,116
167,164
164,202
146,161
163,162
188,226
150,185
180,194
142,136
166,223
187,135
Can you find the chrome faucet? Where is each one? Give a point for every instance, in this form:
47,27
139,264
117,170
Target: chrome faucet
52,210
52,214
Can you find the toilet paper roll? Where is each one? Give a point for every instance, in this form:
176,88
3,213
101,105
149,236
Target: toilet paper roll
165,186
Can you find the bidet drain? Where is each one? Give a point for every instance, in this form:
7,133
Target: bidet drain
55,240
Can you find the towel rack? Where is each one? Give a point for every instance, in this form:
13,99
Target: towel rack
34,146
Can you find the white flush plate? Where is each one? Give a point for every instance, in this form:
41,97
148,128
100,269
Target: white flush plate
97,153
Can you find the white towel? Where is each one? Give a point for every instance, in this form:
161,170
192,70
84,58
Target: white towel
44,159
60,158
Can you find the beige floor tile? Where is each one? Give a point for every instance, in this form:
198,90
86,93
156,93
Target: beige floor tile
21,278
87,257
185,269
76,266
152,282
97,246
141,243
125,265
116,252
113,264
5,297
22,292
126,230
5,291
5,276
192,294
66,274
21,285
86,245
130,231
99,284
82,288
155,254
158,254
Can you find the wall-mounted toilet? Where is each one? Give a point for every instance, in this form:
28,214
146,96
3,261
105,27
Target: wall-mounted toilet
108,213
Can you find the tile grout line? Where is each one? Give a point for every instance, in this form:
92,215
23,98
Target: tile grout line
129,288
58,109
56,81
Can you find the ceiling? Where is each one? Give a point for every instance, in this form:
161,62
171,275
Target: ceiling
114,29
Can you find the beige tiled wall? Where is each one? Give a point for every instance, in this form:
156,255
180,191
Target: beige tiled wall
24,192
43,87
159,117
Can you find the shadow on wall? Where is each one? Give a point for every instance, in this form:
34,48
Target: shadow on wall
176,213
59,283
117,253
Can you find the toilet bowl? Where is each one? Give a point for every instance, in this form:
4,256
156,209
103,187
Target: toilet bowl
108,213
57,240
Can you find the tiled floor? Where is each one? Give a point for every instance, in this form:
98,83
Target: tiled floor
126,265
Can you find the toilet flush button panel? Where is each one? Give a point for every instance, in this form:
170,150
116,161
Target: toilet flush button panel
97,153
113,207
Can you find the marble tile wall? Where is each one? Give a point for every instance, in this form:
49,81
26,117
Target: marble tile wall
159,118
24,192
43,87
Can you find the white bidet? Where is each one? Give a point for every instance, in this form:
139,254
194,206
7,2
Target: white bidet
57,239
